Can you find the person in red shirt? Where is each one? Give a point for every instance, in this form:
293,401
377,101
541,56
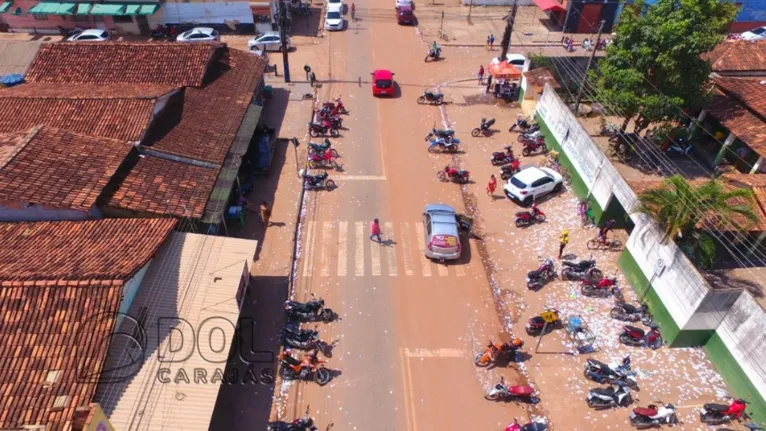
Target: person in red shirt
491,186
375,230
481,74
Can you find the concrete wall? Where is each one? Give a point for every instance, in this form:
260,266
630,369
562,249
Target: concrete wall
203,13
20,211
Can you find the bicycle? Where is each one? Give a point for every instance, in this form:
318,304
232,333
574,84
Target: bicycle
599,244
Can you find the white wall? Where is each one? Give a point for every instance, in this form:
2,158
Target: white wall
743,331
203,13
129,292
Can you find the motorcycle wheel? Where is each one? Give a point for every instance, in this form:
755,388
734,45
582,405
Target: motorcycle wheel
422,100
520,223
641,423
521,138
330,185
540,218
586,290
477,360
322,376
440,175
525,152
334,153
625,339
426,59
632,385
476,132
334,133
432,148
534,400
617,314
313,133
595,273
452,148
327,314
566,273
534,285
439,101
491,396
335,165
616,245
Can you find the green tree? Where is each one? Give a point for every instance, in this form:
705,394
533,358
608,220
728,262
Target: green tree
653,64
683,212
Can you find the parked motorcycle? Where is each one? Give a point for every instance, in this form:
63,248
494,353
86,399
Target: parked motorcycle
529,136
582,270
335,107
537,425
619,374
526,218
717,414
637,337
323,161
431,98
537,278
310,368
496,354
445,134
608,130
162,32
522,393
484,128
507,171
459,176
322,148
305,423
312,310
323,129
317,182
335,120
503,157
678,147
66,34
653,416
433,54
524,126
605,398
533,146
601,288
536,324
443,145
630,313
304,339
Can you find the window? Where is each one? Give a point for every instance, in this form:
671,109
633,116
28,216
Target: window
40,17
333,15
88,37
123,19
383,83
518,183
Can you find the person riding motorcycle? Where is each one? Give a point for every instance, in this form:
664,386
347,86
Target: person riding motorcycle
435,49
498,349
450,172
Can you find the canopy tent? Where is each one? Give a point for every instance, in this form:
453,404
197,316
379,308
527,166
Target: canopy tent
548,5
503,70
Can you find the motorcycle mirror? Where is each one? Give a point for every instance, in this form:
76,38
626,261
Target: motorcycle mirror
308,407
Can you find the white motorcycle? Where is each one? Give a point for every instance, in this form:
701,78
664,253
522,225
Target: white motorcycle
653,416
604,398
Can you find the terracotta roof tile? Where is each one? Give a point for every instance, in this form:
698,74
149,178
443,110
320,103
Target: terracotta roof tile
738,56
60,169
108,249
749,91
45,90
11,143
48,328
166,187
211,116
177,64
739,120
746,180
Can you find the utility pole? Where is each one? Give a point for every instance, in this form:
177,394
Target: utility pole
441,27
506,42
283,38
587,68
469,11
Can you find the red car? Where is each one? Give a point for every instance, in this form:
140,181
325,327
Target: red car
404,15
382,83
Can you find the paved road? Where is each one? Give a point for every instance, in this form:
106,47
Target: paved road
409,326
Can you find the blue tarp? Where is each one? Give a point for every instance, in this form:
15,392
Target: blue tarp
12,79
264,153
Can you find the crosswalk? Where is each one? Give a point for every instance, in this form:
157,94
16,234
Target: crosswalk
344,249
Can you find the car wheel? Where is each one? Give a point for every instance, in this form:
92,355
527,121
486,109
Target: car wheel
527,202
558,187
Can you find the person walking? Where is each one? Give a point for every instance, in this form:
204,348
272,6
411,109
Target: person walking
563,241
265,212
491,186
487,43
375,230
481,74
489,83
313,78
491,41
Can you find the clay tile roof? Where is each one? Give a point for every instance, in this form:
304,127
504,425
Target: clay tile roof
749,91
540,76
211,116
166,187
176,64
60,169
108,249
741,121
746,180
50,328
738,56
10,143
48,90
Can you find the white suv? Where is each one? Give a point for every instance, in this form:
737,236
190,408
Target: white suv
531,183
400,3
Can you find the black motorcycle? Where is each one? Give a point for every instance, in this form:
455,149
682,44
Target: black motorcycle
317,182
433,54
303,339
484,128
431,98
445,134
322,129
309,311
584,269
305,423
320,149
507,171
630,313
524,126
503,157
537,278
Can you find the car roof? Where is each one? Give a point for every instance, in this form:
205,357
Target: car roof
440,208
334,10
206,30
268,34
530,174
382,74
96,31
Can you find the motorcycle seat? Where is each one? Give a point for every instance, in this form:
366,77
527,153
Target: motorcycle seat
716,407
629,308
643,411
534,274
636,330
521,390
538,320
608,392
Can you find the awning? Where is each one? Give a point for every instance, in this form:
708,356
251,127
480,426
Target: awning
44,8
547,5
5,6
148,9
132,9
65,9
107,9
83,8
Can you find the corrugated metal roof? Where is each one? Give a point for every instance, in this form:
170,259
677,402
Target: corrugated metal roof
193,278
17,55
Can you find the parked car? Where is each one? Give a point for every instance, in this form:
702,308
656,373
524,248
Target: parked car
382,83
333,20
517,60
336,5
90,35
270,41
755,34
400,3
531,183
441,232
199,34
404,15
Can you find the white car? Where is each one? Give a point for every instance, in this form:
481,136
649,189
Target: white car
199,34
531,183
333,20
90,35
404,3
336,5
270,41
755,34
517,60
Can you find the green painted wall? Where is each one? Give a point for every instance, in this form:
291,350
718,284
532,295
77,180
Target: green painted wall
692,338
736,378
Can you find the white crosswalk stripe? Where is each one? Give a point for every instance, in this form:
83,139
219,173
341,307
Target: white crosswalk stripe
359,253
391,251
419,238
325,253
342,248
375,257
308,250
443,271
406,238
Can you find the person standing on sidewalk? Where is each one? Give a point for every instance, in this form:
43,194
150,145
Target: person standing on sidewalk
491,186
491,42
563,241
487,43
375,230
265,212
313,78
481,74
489,83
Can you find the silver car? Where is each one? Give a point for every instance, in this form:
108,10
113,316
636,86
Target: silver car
270,41
442,235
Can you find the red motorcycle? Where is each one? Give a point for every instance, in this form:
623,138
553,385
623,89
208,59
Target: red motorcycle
323,129
323,161
522,393
336,120
503,157
533,145
526,218
600,289
507,171
717,414
637,337
538,425
335,107
459,176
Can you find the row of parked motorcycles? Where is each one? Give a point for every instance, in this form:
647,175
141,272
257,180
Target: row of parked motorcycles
327,121
305,423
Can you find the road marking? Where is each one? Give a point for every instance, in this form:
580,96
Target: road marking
391,251
443,271
406,244
436,353
361,178
375,257
325,257
421,247
459,271
308,264
342,248
408,390
359,258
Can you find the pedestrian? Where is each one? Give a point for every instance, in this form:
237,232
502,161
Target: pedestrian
313,78
481,74
491,41
487,43
570,45
375,230
265,213
563,240
489,83
491,186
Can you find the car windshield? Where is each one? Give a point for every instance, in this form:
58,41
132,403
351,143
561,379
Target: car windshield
518,183
333,15
406,12
383,83
759,30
